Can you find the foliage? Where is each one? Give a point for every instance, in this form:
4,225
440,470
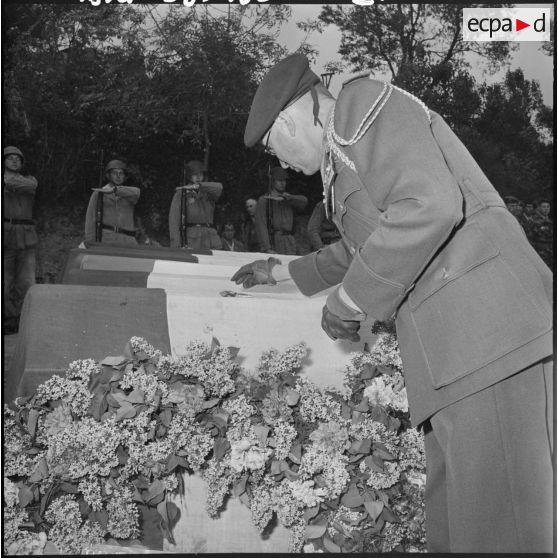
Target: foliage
89,451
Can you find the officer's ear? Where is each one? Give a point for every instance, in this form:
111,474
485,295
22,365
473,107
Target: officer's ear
286,121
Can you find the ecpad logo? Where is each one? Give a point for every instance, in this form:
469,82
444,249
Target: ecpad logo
506,24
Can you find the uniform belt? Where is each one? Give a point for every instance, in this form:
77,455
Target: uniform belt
119,230
19,221
200,225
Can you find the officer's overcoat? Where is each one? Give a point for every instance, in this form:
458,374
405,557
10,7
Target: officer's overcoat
427,239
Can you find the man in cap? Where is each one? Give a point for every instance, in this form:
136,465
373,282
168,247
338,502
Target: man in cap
275,216
427,241
110,215
191,212
19,235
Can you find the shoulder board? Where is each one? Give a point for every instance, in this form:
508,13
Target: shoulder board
356,77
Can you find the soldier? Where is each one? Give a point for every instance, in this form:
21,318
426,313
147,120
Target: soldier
427,241
191,212
110,215
275,216
248,226
19,236
321,231
528,219
543,232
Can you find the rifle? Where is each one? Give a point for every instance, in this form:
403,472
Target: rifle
270,209
99,212
183,210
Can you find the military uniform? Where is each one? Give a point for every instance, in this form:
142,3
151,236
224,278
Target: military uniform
542,235
19,237
428,241
321,231
118,226
200,207
276,218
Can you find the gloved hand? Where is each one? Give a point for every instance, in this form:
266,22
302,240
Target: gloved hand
336,328
256,273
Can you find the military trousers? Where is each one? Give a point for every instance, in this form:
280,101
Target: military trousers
19,275
489,462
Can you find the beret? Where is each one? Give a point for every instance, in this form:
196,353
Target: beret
279,173
288,80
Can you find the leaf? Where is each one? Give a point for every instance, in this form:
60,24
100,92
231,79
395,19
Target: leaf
352,499
233,351
389,516
69,488
310,513
172,462
25,495
214,344
137,497
113,401
261,433
210,403
369,371
51,548
387,370
371,464
240,486
363,406
291,475
293,397
295,453
315,531
101,517
331,546
275,468
383,454
374,508
40,472
155,490
98,406
114,360
345,411
125,411
32,421
361,446
137,396
220,448
122,455
165,417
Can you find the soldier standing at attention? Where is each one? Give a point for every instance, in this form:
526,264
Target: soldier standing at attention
19,236
275,216
110,214
427,241
191,212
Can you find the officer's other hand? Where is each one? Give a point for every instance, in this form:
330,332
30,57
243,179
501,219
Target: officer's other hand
336,328
256,273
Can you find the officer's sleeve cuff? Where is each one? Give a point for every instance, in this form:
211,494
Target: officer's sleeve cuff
336,304
306,275
376,295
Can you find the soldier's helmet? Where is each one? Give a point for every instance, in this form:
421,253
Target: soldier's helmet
12,150
116,164
194,167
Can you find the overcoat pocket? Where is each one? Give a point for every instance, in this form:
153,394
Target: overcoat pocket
470,309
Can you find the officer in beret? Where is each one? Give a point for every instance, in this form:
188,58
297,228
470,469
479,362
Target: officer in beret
427,241
110,217
191,211
19,240
275,216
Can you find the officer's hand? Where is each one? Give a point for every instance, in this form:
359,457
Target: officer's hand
336,328
256,273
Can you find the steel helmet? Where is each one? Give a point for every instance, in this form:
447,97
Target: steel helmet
12,150
115,164
193,167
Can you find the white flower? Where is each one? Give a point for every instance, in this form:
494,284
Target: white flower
306,493
378,392
310,548
417,479
247,455
11,493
